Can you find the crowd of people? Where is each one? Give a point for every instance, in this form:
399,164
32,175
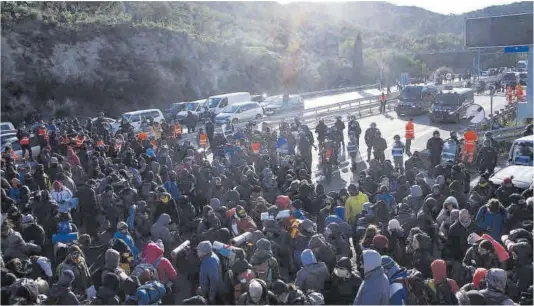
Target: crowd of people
146,217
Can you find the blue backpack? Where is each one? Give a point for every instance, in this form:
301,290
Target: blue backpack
150,293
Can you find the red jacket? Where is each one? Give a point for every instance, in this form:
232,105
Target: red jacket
72,158
165,269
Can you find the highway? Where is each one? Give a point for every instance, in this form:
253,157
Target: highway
390,125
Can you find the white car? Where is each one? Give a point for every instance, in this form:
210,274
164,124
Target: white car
137,117
15,145
240,112
195,107
275,104
7,127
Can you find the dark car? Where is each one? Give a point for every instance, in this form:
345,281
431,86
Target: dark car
415,99
278,104
451,105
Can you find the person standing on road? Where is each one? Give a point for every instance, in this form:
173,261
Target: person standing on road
370,135
410,135
210,131
397,151
435,145
470,138
382,103
190,122
379,147
487,157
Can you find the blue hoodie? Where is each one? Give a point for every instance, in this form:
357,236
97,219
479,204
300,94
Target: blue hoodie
172,188
129,242
491,222
397,292
388,198
14,193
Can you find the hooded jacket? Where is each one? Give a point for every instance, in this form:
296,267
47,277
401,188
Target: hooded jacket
444,214
374,289
439,274
313,274
415,199
494,294
264,254
210,276
326,252
354,206
166,271
62,196
457,239
160,230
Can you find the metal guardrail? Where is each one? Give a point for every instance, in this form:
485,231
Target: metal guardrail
337,90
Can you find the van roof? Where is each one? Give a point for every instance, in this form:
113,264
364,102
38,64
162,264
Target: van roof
231,94
526,138
459,91
245,103
142,111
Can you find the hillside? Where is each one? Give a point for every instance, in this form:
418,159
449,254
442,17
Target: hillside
81,57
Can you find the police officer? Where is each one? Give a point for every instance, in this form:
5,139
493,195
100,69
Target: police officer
321,130
354,129
340,127
397,151
370,135
489,136
487,157
435,146
379,147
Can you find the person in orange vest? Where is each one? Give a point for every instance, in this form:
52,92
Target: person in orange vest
509,94
470,138
382,103
25,146
409,135
177,129
42,136
519,92
80,139
202,139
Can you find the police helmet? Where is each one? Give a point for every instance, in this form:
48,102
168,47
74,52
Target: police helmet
488,134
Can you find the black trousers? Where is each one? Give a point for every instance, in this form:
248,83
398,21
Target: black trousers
26,148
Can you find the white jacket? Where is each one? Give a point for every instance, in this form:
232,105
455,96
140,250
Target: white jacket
63,198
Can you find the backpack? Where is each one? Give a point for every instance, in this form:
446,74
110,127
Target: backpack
153,268
150,293
417,293
443,292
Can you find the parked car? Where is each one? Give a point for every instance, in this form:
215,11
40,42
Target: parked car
276,104
216,104
416,99
137,117
15,145
7,127
240,112
195,107
172,111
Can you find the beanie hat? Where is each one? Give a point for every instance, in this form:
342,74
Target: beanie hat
215,203
205,247
380,241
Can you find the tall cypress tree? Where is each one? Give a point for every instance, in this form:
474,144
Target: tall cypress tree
357,60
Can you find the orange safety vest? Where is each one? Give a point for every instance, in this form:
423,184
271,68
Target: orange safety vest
79,141
42,132
177,130
328,154
255,146
154,144
24,141
470,138
203,140
409,130
142,136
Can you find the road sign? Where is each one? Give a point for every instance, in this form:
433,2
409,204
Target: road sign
516,49
498,31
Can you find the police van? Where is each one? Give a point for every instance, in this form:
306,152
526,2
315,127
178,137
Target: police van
451,105
520,167
416,99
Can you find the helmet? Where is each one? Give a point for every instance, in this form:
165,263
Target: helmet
436,133
488,134
373,125
453,134
396,137
101,114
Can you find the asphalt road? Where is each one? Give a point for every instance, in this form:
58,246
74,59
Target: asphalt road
390,125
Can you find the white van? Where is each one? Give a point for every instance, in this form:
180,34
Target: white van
215,104
195,107
137,117
240,112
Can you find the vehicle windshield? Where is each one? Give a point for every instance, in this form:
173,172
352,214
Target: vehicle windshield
213,102
450,99
523,150
230,109
412,93
509,77
191,107
5,127
177,107
273,100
